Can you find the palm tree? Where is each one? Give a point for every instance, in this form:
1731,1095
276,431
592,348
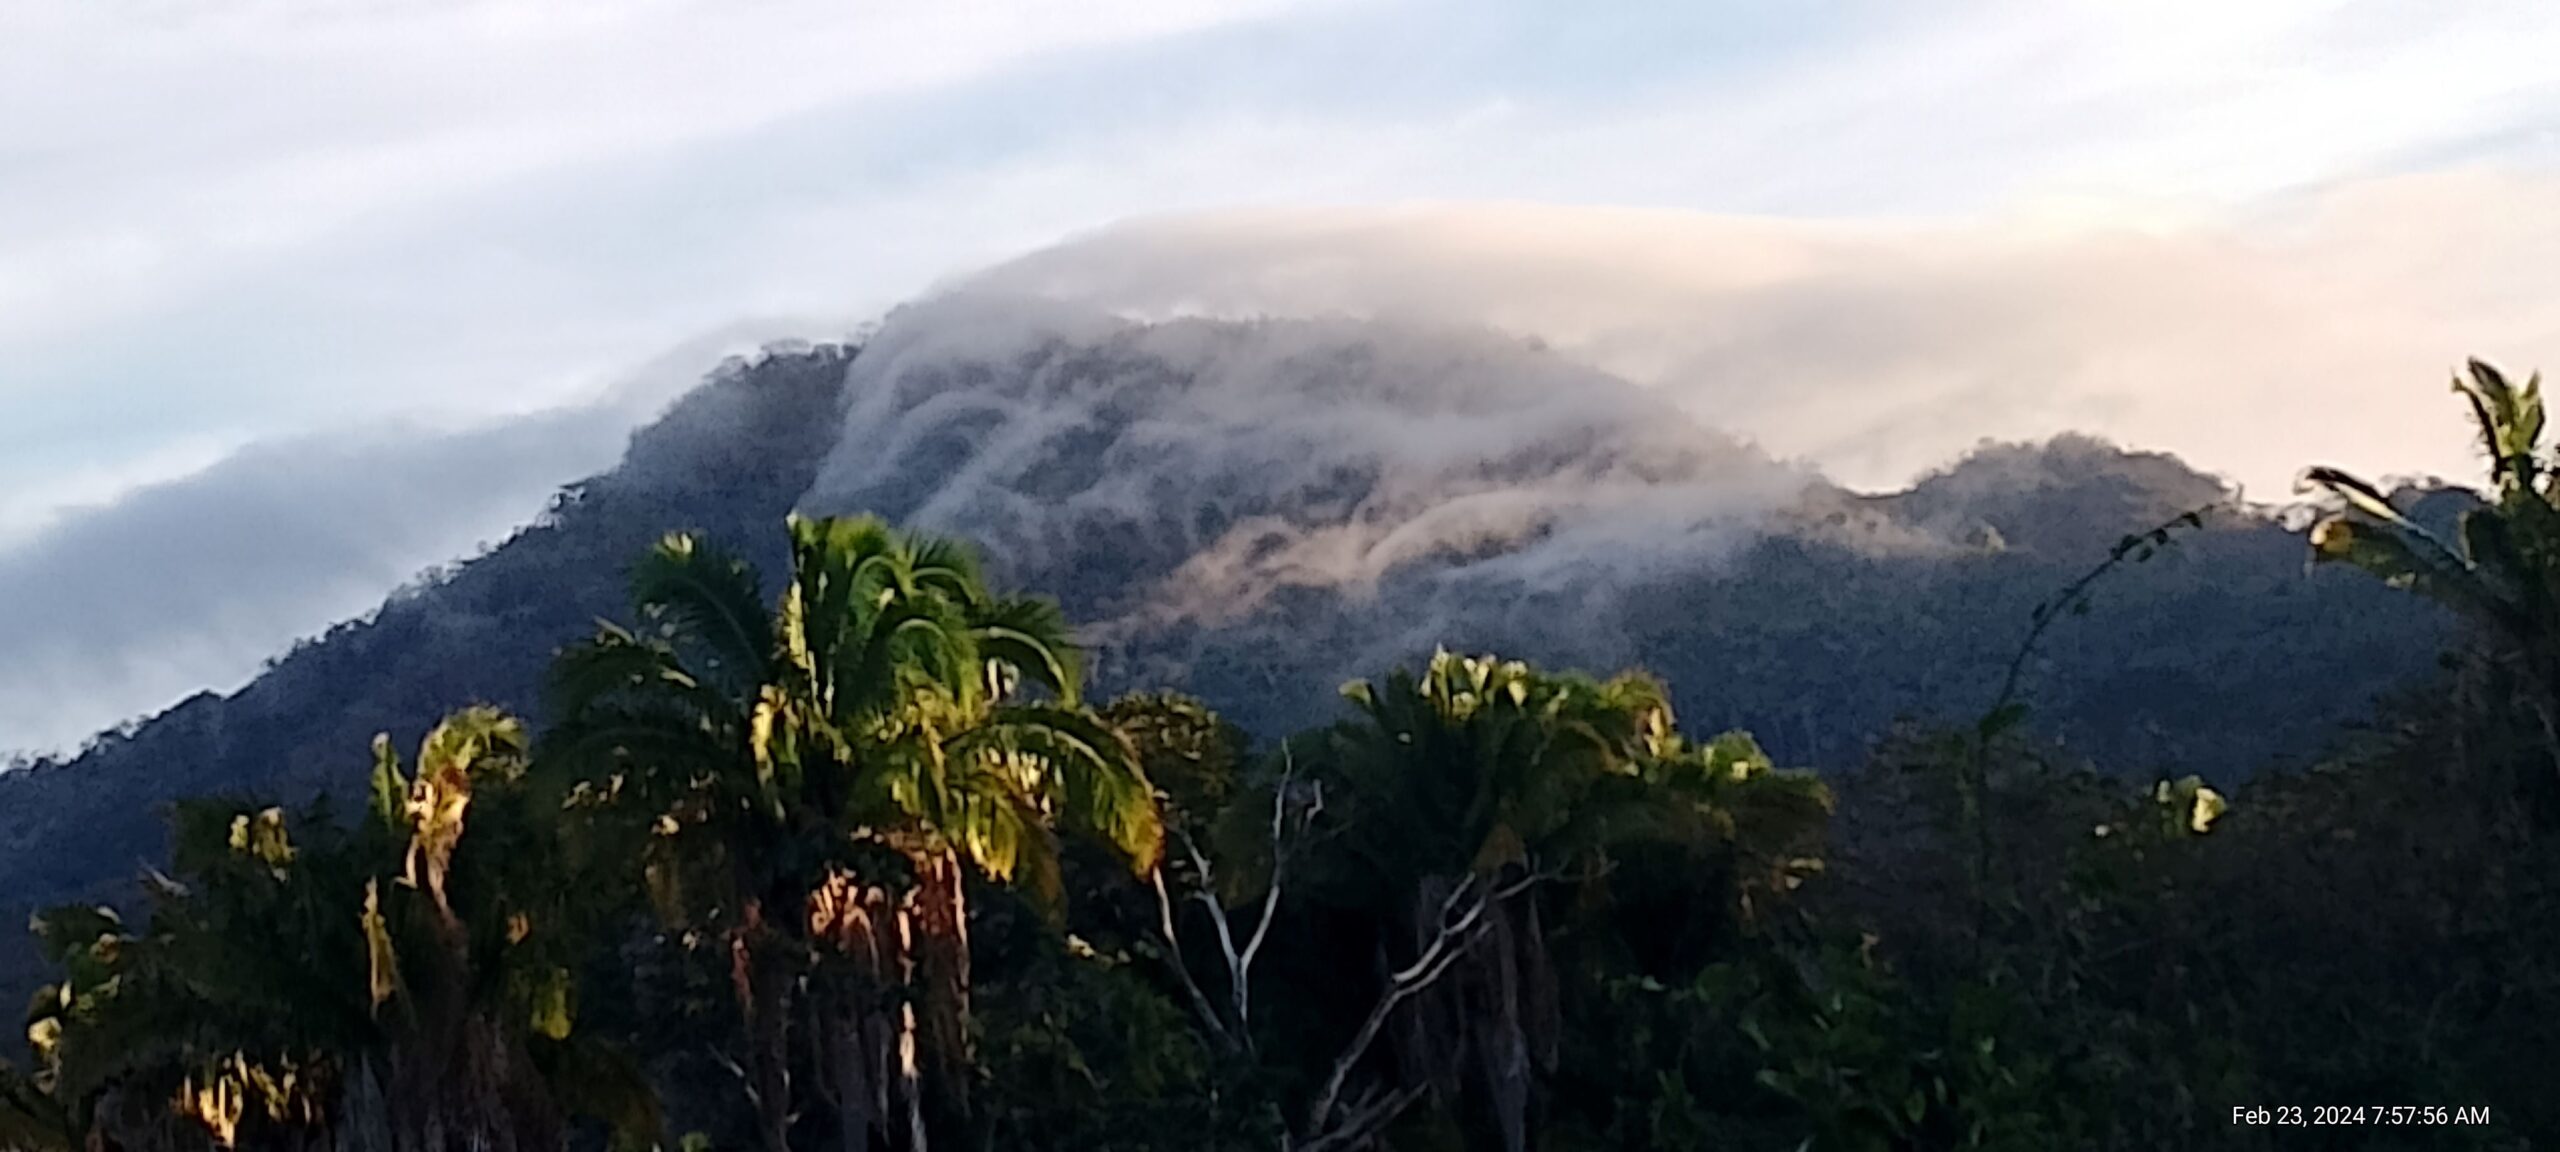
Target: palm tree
816,775
1467,788
401,984
469,954
2502,568
30,1121
239,988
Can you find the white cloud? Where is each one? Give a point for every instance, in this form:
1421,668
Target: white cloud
1876,352
255,219
1192,473
26,509
232,222
158,144
179,583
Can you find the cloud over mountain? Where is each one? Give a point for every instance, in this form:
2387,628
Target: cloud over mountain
1198,477
1252,512
2316,328
1867,352
122,607
1259,509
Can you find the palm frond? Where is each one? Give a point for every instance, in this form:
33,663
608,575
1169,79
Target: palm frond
908,642
473,741
2361,496
2402,561
30,1119
659,743
946,567
711,598
2509,421
1086,766
1032,636
616,662
997,824
389,796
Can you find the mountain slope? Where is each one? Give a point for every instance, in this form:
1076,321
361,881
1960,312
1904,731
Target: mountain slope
735,452
1257,511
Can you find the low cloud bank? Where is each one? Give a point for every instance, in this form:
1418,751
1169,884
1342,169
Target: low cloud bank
126,606
1349,490
186,585
2317,328
1236,467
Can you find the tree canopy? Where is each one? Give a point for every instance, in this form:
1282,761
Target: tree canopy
845,857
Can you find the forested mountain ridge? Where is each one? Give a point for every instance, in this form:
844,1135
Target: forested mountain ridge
835,838
737,451
1254,512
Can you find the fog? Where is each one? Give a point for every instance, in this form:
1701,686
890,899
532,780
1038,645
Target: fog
1512,429
2319,328
123,607
1189,485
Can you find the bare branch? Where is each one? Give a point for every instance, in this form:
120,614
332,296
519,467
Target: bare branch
1451,939
1238,1032
1173,955
1239,966
1208,897
1460,927
1528,880
1280,795
1364,1120
1243,962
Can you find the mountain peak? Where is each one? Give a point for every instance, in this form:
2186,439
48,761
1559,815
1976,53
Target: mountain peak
1229,460
1253,511
2070,495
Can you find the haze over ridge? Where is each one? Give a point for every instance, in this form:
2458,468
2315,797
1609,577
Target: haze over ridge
2317,330
230,232
1871,351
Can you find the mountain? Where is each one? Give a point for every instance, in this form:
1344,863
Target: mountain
1257,511
735,452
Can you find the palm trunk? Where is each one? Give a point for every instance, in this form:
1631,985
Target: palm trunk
364,1117
1484,1035
755,971
910,1080
847,1067
769,1035
1501,1046
942,989
895,1028
871,1042
457,1075
464,1084
1430,1033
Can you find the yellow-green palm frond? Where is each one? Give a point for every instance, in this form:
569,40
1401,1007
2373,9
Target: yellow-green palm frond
2509,420
1084,769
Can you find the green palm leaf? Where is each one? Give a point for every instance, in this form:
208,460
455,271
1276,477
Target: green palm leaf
1031,636
711,598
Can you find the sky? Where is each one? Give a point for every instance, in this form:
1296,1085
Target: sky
299,297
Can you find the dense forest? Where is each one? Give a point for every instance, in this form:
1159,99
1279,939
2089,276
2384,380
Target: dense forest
823,840
1123,474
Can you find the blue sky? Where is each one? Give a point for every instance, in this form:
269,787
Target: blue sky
228,227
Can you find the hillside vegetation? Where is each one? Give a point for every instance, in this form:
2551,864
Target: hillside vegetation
688,825
1812,616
